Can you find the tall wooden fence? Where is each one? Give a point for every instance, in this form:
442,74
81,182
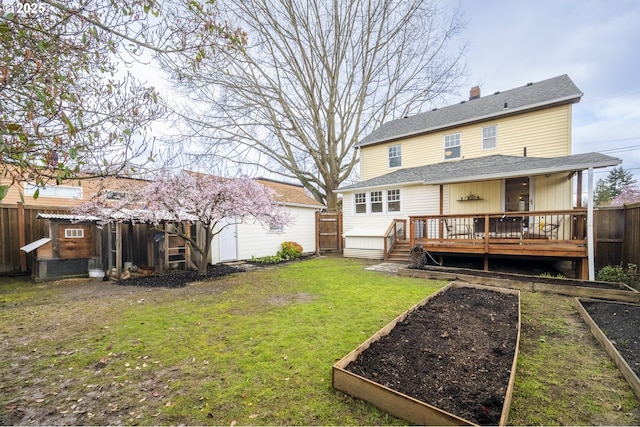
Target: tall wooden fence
19,225
617,235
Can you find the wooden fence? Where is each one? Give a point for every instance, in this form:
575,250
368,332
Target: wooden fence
19,225
617,235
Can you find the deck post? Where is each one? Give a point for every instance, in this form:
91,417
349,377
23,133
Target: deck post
590,239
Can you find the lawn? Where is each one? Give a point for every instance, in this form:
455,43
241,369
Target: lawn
257,348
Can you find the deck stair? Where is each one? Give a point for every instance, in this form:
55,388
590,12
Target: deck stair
400,252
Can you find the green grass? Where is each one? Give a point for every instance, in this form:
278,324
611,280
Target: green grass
257,348
563,376
258,352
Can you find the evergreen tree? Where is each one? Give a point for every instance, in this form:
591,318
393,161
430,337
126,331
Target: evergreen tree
612,186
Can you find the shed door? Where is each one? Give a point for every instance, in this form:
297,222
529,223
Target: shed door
229,242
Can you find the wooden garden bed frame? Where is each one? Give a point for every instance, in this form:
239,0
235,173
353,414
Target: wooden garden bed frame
613,352
570,287
400,405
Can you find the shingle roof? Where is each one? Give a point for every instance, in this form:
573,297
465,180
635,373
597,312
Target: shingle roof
487,168
555,91
290,194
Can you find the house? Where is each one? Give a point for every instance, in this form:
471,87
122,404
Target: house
244,241
492,176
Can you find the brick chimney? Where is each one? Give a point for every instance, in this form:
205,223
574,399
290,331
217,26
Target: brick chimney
474,93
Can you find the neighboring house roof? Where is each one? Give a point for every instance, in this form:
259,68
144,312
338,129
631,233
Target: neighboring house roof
555,91
485,169
290,194
286,193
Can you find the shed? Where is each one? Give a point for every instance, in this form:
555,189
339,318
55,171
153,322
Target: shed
72,248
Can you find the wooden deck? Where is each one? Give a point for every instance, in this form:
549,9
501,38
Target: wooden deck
541,234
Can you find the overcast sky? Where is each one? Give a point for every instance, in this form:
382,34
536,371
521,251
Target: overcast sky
597,43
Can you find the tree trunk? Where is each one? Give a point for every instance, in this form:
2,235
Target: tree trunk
206,249
332,202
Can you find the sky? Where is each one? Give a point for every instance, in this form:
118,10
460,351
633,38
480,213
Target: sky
595,42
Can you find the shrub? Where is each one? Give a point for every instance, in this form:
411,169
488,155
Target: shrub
617,273
290,250
269,259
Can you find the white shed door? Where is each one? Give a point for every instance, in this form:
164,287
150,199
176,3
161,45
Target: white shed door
228,238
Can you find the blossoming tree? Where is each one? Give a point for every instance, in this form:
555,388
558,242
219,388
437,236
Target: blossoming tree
209,202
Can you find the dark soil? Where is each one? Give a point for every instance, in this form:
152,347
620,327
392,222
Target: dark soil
178,278
455,352
621,324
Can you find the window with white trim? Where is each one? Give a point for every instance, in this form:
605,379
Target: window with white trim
376,201
393,200
452,146
395,156
361,203
489,137
59,191
74,233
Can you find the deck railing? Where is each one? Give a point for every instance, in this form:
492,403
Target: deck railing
559,234
396,231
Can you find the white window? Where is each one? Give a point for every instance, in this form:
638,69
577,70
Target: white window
489,137
376,201
393,200
361,203
395,156
383,201
74,233
452,146
59,191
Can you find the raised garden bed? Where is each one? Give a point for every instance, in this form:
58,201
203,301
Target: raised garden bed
448,360
617,327
570,287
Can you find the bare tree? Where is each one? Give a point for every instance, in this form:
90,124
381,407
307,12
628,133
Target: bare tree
69,107
314,77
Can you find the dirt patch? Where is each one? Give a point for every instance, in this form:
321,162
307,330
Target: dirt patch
281,300
621,324
178,279
456,353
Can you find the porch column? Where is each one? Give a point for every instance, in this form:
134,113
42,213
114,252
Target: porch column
590,239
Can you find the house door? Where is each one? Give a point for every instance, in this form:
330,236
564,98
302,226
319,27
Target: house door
517,194
228,238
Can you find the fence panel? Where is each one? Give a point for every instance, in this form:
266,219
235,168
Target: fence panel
631,243
10,239
328,232
609,235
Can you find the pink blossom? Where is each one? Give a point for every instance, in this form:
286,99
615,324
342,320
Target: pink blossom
189,197
630,194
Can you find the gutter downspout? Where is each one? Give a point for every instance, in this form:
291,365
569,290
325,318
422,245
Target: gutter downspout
590,240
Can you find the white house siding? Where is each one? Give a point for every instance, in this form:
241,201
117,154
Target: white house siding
363,232
255,239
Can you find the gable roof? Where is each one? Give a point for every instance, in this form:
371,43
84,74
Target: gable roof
290,194
283,192
485,169
551,92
